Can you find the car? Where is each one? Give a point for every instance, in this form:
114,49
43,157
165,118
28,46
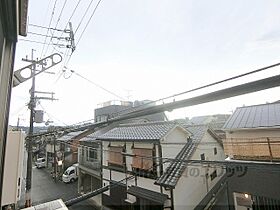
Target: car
40,163
70,174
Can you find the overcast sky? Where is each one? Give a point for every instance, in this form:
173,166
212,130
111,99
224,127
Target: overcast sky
150,49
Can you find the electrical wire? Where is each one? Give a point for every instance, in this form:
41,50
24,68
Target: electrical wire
50,116
261,69
27,40
61,11
52,15
96,6
83,17
97,85
211,163
201,87
73,12
38,26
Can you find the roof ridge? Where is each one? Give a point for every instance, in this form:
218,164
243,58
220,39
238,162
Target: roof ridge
276,102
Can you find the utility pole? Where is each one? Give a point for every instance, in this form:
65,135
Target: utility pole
54,160
32,105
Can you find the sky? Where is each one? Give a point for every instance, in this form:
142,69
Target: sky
148,49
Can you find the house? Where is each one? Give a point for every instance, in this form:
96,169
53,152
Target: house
13,19
90,162
216,122
153,154
253,133
252,145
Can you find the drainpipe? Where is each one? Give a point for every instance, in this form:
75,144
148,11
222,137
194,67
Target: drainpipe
160,163
172,199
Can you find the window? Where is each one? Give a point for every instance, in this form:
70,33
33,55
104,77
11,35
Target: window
71,172
116,156
202,156
141,159
143,162
92,154
213,175
215,150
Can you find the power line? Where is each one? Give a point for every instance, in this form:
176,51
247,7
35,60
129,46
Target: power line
49,27
26,40
88,21
44,35
97,85
96,6
202,87
44,27
252,164
51,116
83,17
61,11
73,12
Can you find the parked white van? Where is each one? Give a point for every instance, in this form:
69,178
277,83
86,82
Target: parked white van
40,163
70,174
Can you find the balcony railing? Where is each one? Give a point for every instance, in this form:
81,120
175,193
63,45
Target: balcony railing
90,163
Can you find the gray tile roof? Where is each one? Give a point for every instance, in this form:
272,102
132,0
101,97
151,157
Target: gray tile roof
197,131
139,132
93,136
176,168
69,136
258,116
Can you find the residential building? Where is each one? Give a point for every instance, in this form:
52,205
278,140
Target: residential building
90,162
14,171
253,133
154,154
13,18
252,146
216,122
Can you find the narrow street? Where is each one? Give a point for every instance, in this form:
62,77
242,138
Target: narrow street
44,189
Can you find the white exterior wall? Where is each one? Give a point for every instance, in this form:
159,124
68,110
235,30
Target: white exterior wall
173,143
193,185
13,167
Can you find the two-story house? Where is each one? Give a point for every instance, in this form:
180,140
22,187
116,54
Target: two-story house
252,139
155,155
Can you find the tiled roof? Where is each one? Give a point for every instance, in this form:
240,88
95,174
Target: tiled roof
197,131
70,136
143,131
176,168
258,116
93,136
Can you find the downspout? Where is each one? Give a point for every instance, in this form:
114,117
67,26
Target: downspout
172,199
160,163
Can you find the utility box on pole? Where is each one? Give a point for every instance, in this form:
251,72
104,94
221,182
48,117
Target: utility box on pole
39,116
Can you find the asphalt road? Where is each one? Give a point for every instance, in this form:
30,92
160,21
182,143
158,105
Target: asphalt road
44,189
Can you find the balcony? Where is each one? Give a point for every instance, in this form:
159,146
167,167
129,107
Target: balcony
91,163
